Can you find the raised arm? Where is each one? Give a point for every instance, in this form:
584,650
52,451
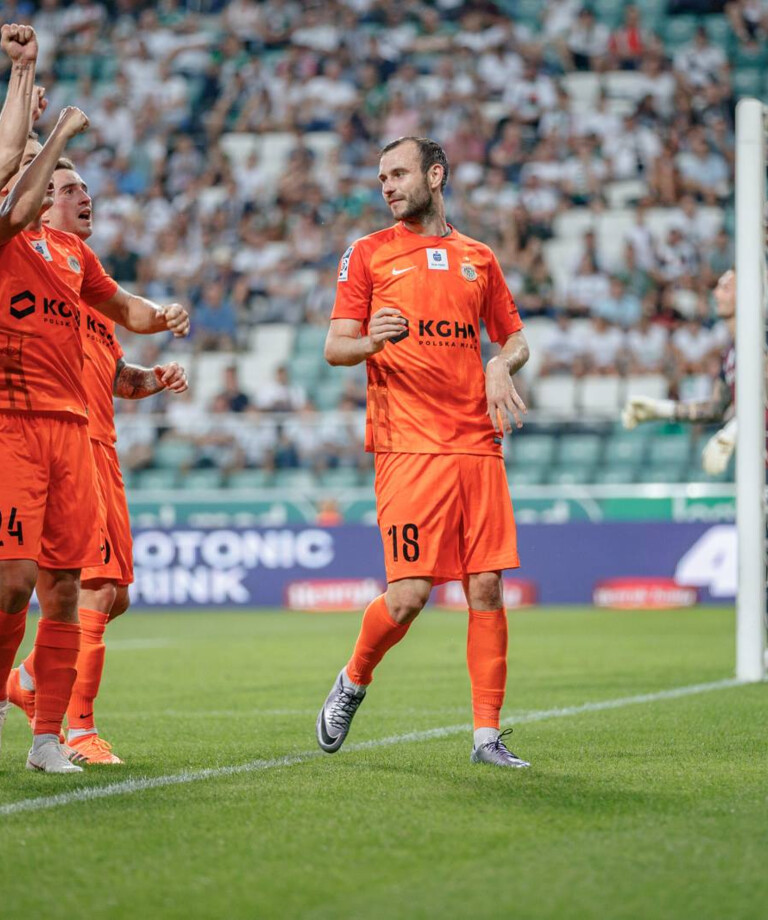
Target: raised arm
135,382
143,316
26,199
500,391
20,44
345,346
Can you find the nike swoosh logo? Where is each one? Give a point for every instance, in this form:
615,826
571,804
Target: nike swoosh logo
402,271
327,737
87,715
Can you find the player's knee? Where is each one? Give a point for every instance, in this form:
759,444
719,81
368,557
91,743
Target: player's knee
17,582
406,605
486,591
121,602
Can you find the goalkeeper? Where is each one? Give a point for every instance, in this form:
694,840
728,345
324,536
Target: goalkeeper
721,405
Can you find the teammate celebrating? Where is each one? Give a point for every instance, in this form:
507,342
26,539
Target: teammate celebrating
718,450
409,302
47,498
104,588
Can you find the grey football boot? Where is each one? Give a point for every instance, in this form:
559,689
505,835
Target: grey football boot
337,713
497,753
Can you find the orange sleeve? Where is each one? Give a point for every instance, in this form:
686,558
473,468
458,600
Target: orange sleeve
97,285
353,285
499,311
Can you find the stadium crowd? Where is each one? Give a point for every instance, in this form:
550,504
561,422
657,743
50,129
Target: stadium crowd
233,156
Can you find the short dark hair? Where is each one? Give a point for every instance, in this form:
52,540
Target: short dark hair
430,152
64,163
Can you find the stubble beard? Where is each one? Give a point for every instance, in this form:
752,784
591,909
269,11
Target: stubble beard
421,206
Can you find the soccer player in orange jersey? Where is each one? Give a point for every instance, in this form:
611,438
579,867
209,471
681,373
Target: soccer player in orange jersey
103,588
409,302
47,498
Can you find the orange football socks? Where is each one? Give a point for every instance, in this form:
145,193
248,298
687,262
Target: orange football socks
56,648
11,633
487,663
90,665
378,633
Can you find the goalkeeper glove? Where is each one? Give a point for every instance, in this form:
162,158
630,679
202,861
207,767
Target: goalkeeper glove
644,409
718,449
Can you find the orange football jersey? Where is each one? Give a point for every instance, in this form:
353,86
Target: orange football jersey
426,390
42,276
102,351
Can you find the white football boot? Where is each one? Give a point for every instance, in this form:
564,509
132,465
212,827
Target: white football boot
51,758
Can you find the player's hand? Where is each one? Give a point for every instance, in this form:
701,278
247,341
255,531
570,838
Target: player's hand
386,323
19,42
718,449
176,320
644,409
72,121
39,103
171,377
503,398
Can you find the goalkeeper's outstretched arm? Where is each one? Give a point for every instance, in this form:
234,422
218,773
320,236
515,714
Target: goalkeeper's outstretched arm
717,408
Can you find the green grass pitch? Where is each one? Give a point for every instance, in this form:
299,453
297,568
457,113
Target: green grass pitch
652,810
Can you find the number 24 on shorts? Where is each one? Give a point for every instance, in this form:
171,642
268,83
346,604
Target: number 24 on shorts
405,539
13,526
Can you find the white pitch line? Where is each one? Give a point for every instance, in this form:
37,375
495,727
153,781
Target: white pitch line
130,786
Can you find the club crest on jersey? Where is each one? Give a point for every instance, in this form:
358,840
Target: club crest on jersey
73,264
41,246
469,272
344,265
437,259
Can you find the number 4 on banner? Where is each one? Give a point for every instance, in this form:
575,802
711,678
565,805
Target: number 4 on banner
712,562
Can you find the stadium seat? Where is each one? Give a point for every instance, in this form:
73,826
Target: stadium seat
157,479
615,476
203,479
327,394
294,479
571,475
310,339
209,374
580,450
624,193
583,89
669,451
532,450
678,30
610,12
600,396
624,450
173,454
656,386
250,479
342,477
747,82
526,476
307,369
573,222
537,329
746,57
663,474
720,31
556,395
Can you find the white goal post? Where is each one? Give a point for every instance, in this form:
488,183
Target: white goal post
750,387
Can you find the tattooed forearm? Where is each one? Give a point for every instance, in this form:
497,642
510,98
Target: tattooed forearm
134,382
709,410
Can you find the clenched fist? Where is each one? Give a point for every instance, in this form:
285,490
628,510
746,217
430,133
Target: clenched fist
172,377
72,121
19,43
176,320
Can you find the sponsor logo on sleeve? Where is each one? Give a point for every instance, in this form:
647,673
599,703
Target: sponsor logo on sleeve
73,264
344,266
437,259
468,271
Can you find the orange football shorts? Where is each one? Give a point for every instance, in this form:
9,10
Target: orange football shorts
48,503
116,522
444,516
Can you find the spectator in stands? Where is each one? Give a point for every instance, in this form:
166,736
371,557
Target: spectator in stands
700,61
647,346
692,344
718,257
620,307
627,42
232,395
586,287
587,43
603,348
704,172
561,349
749,20
280,395
215,319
